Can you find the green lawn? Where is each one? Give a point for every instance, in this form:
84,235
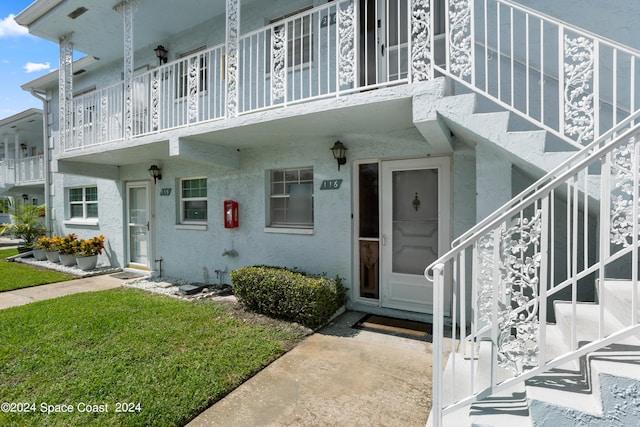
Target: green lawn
14,275
169,358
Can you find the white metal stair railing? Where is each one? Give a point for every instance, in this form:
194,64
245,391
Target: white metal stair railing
571,82
553,241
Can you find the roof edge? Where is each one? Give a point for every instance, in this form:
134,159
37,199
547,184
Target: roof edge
35,11
52,77
20,116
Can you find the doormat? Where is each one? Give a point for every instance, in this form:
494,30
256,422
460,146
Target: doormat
126,275
397,327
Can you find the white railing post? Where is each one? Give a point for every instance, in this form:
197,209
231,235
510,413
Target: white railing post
438,336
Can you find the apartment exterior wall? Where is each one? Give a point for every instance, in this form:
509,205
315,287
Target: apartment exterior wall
186,253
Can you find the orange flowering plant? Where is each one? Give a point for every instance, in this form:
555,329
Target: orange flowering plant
92,246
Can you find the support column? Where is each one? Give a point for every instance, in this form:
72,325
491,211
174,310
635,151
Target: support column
493,181
421,40
127,9
6,150
233,29
17,166
65,85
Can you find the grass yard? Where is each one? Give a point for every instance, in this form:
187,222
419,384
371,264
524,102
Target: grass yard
14,275
163,360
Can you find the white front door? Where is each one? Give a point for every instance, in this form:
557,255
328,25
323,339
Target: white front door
138,219
414,229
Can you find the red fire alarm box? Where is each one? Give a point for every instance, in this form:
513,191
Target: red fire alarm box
230,214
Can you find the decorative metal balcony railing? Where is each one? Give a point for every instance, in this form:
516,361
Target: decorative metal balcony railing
318,53
7,172
573,83
30,170
554,239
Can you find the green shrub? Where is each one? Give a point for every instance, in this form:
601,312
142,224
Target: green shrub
289,295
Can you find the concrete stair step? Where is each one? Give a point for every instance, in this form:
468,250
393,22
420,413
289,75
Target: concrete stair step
587,318
619,294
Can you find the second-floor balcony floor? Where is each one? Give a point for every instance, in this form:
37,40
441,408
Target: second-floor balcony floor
568,81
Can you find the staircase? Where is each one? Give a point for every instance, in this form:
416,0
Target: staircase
600,388
545,323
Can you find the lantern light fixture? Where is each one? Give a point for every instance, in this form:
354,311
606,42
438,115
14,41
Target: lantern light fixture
339,153
155,173
162,54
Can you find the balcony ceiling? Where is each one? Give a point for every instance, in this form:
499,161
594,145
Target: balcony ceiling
28,123
99,31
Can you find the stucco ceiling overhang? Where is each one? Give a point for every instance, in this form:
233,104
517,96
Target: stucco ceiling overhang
28,123
99,31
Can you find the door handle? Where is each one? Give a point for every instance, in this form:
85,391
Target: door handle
147,225
382,49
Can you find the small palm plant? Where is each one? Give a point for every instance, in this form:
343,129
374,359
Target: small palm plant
27,224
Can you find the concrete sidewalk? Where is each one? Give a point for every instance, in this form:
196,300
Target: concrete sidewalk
338,376
55,290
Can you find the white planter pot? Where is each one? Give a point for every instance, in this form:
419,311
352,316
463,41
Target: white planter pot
52,256
86,263
67,260
40,254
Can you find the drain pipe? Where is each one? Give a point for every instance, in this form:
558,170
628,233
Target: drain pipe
47,169
159,261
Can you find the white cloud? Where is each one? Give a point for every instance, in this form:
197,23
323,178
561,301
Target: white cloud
9,27
30,67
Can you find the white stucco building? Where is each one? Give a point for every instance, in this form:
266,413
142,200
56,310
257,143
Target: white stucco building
22,157
448,109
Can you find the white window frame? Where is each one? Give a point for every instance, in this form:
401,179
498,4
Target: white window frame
297,41
182,84
84,203
182,199
285,226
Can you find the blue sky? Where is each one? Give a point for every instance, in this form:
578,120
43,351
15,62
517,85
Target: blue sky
22,58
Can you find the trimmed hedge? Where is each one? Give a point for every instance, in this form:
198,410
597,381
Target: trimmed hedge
289,295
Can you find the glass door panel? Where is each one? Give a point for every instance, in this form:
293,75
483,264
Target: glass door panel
369,230
138,223
415,220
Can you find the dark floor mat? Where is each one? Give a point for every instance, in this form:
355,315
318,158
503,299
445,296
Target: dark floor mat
397,327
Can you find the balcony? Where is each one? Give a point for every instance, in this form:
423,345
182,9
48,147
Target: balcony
328,51
22,172
30,170
565,80
7,174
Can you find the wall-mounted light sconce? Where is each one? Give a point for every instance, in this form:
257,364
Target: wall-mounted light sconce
339,153
155,173
25,198
23,146
161,53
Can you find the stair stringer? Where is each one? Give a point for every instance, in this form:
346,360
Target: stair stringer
534,150
458,114
614,389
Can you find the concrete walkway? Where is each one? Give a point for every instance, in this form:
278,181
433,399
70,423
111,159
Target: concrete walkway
339,376
55,290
